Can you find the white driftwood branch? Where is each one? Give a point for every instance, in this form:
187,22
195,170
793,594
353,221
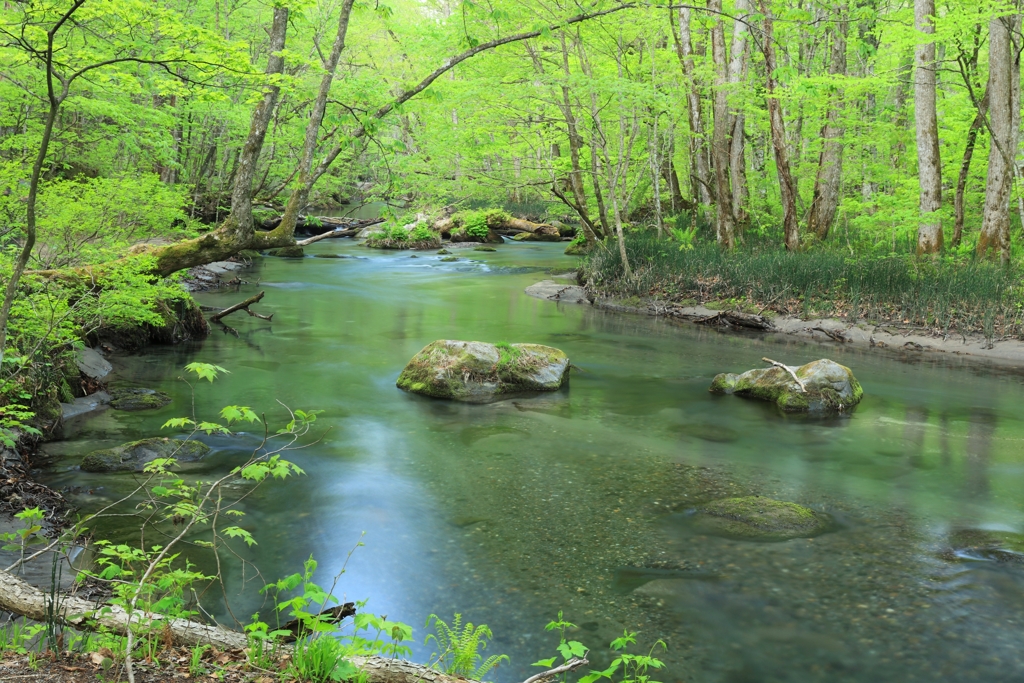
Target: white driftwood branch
573,663
789,370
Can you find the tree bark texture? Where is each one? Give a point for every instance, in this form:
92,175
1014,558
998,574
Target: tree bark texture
737,74
965,169
787,189
724,224
995,227
828,181
700,166
929,165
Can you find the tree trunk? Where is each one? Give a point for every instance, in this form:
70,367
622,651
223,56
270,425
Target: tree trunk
995,227
700,166
827,183
965,168
787,189
297,201
575,145
240,219
720,138
737,74
929,165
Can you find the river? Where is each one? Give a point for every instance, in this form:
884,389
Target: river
512,511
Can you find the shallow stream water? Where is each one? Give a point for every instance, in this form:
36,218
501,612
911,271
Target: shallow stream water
576,501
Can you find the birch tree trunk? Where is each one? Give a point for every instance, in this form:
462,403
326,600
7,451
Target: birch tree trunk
995,227
724,224
827,182
737,147
787,189
929,165
700,166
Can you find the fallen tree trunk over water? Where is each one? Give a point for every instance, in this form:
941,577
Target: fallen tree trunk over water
27,601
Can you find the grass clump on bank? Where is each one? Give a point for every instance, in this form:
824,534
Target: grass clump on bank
398,237
950,294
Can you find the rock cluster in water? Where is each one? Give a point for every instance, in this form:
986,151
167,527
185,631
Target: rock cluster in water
754,518
135,455
479,372
827,387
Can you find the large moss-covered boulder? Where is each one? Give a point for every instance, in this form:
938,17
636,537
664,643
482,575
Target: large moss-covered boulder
479,372
827,387
133,456
754,518
138,399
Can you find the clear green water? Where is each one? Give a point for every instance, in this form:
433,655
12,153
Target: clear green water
511,511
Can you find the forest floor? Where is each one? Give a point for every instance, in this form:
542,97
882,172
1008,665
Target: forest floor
175,665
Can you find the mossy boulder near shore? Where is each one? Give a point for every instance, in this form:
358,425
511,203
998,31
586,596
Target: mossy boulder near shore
754,518
827,387
478,372
134,455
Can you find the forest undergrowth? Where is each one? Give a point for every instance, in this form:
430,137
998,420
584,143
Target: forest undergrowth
949,294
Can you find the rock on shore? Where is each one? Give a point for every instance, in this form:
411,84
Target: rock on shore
478,372
828,387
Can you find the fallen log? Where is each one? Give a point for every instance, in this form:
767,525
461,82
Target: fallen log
243,306
737,319
345,232
25,600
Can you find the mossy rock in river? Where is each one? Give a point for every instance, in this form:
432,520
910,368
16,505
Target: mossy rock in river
287,252
754,518
133,456
828,387
138,399
1000,546
478,372
328,256
484,248
449,259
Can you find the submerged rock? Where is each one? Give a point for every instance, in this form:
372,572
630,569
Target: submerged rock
328,256
827,387
479,372
983,544
138,399
133,456
484,248
287,252
754,518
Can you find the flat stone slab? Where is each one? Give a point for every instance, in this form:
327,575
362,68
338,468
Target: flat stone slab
220,267
92,364
85,404
558,291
